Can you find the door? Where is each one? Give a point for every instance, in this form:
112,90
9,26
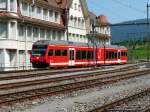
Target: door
71,57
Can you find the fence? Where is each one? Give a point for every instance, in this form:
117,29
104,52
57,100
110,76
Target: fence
16,66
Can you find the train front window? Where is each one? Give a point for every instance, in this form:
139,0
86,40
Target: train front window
38,52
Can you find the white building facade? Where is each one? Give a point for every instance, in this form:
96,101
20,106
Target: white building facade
22,22
78,19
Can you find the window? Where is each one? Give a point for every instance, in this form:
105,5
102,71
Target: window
21,30
45,14
118,55
56,16
79,7
83,54
12,5
107,57
75,22
51,15
25,9
12,30
115,54
35,32
39,11
57,52
64,52
78,55
43,47
75,6
54,37
3,4
42,33
50,52
89,55
32,11
3,30
29,31
48,34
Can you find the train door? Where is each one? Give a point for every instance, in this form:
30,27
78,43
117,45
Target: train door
119,54
71,57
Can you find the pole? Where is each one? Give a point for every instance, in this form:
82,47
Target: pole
104,52
94,44
147,13
147,31
67,24
26,46
67,20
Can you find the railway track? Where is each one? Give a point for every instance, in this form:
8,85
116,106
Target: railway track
67,88
139,102
92,74
22,75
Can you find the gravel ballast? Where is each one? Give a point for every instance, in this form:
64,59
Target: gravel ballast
84,100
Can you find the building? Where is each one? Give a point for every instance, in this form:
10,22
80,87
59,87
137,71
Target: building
25,21
132,30
77,14
99,29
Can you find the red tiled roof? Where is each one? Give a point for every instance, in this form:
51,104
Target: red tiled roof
102,20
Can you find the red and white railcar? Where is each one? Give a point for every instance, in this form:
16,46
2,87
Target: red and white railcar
63,54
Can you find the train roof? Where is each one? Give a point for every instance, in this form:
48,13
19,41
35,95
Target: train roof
62,42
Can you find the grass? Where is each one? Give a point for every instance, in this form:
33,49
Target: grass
137,51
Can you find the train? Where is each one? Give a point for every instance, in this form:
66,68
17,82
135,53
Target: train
54,54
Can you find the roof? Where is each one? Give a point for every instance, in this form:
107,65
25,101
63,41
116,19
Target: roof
102,19
62,42
51,3
92,15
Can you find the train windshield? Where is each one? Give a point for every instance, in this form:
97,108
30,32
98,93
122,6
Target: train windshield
39,50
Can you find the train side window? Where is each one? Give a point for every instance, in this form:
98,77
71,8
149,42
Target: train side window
121,53
109,56
92,55
126,53
57,52
118,55
84,54
50,52
89,55
64,52
115,54
78,54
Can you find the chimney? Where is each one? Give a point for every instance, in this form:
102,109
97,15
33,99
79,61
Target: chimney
102,19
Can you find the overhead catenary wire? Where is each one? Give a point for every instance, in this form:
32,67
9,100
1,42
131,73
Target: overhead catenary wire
129,6
114,16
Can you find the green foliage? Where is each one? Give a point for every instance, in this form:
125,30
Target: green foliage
137,49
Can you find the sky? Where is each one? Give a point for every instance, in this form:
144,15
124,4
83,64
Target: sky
119,10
